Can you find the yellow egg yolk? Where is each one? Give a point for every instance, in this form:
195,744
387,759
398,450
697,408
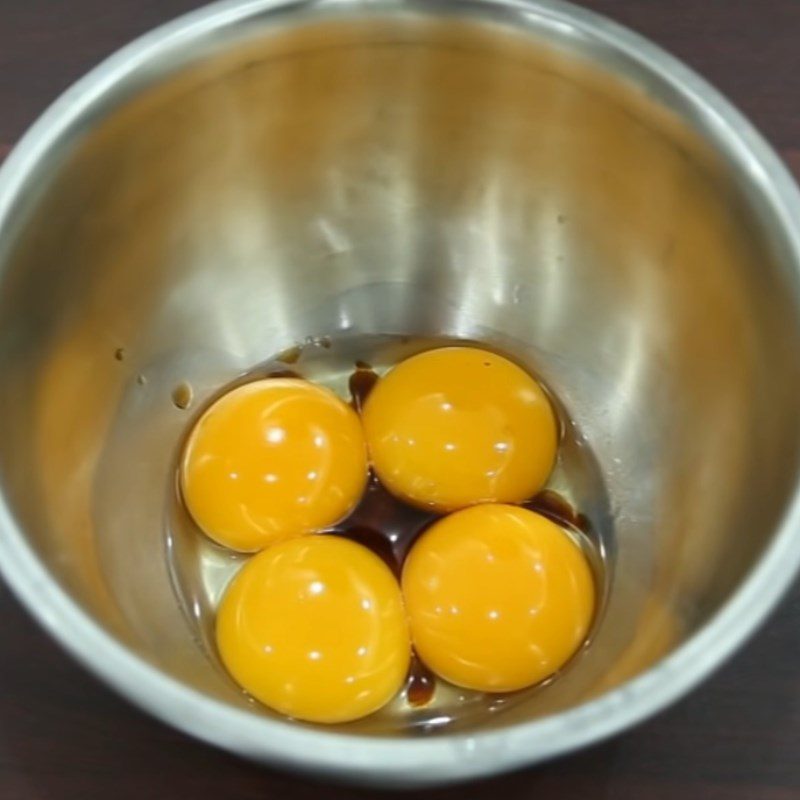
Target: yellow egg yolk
498,597
270,460
315,628
456,426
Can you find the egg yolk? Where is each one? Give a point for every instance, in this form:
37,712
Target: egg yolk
315,628
273,459
498,597
456,426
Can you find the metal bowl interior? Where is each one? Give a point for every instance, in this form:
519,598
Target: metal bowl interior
521,173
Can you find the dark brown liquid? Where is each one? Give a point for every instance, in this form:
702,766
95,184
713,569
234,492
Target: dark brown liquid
282,373
420,685
552,505
361,383
384,524
373,540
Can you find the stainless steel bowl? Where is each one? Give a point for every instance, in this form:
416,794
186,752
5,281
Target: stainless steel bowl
517,171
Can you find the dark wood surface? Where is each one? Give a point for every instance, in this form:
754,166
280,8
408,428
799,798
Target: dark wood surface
63,736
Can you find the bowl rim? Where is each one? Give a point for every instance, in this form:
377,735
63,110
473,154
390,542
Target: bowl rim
441,758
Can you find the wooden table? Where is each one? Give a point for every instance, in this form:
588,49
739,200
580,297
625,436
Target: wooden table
63,736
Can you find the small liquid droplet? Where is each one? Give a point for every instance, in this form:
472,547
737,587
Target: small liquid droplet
141,380
119,354
421,684
291,355
182,396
